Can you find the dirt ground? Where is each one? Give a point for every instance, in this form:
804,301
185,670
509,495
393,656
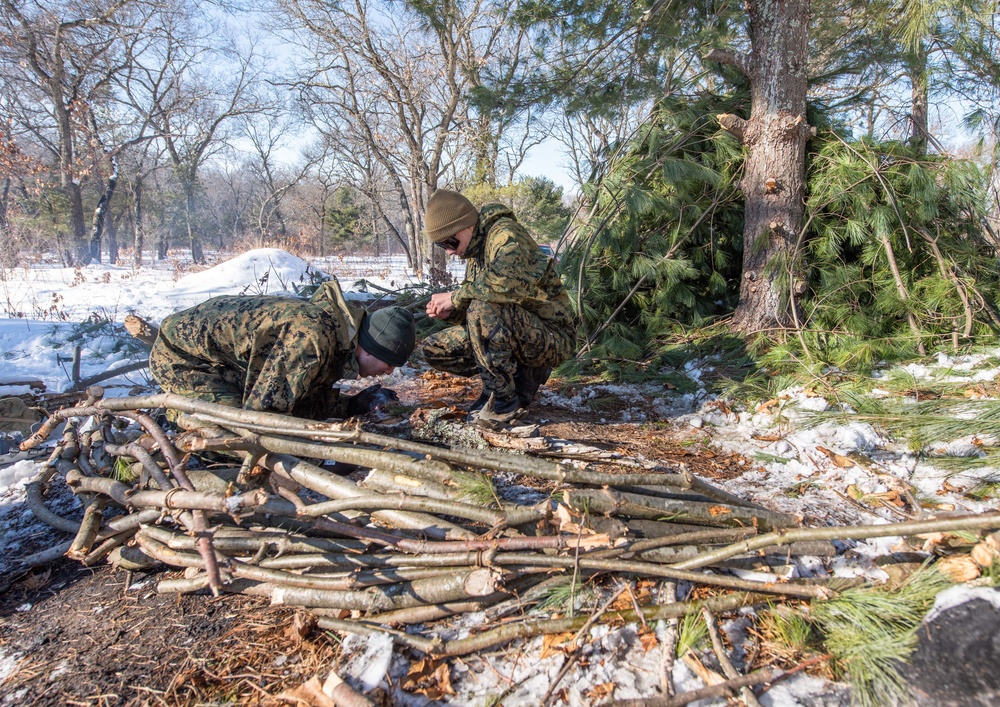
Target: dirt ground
72,635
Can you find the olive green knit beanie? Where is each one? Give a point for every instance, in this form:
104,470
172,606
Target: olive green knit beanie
448,212
389,335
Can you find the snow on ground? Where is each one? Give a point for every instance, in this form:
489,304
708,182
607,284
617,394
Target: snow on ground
791,467
44,304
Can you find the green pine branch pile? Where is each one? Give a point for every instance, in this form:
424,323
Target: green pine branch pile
661,248
897,258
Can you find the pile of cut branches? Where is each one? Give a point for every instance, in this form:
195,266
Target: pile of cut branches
423,536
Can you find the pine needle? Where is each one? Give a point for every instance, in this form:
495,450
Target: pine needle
122,470
558,596
477,488
692,633
922,423
870,630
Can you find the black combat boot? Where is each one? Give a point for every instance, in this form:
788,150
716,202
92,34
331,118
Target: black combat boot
528,380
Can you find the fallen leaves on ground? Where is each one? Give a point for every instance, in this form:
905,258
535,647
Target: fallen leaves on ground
430,678
555,643
308,694
839,460
602,691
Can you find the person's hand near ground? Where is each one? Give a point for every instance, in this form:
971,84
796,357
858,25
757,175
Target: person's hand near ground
370,399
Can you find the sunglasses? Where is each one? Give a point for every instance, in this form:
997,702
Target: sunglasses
448,243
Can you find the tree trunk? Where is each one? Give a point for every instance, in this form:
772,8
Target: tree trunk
321,230
773,183
3,204
67,175
197,254
112,239
78,222
485,152
162,243
414,256
140,235
917,69
101,213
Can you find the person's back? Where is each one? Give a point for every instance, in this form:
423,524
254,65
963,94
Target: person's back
279,354
506,266
272,353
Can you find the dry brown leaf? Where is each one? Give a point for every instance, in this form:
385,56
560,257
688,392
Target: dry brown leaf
959,568
648,640
563,514
586,538
768,438
720,406
602,691
622,603
555,643
947,487
839,460
430,678
764,407
892,498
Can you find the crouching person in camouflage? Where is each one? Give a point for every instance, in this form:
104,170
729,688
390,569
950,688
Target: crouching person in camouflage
281,354
513,316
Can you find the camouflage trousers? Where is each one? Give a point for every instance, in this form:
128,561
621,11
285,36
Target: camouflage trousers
494,342
177,371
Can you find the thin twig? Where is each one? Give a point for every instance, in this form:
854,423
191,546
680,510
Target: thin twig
574,644
723,689
728,669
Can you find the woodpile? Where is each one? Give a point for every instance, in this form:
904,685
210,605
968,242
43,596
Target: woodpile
422,534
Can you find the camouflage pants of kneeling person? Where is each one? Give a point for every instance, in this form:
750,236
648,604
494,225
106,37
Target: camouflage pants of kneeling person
494,341
179,372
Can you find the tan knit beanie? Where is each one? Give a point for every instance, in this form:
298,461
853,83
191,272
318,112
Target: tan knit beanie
448,212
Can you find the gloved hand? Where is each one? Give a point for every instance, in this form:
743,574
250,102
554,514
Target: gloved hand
369,399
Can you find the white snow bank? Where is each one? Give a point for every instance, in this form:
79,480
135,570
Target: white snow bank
17,473
261,271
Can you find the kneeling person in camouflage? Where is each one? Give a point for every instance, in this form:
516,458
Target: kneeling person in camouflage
281,354
512,314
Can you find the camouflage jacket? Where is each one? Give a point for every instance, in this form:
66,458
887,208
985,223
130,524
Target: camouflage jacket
506,266
287,352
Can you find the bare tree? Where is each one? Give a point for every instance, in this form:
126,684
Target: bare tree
388,86
58,59
268,132
193,84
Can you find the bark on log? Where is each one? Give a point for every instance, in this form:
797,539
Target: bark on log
692,512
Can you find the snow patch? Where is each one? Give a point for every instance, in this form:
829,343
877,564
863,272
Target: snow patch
16,475
8,664
369,659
